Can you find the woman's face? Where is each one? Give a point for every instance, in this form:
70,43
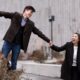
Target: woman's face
75,39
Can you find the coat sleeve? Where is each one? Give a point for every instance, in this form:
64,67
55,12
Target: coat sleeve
40,34
6,14
56,48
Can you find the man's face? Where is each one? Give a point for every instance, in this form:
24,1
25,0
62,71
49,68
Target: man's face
27,13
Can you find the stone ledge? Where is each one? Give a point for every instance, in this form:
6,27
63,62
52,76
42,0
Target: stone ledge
50,70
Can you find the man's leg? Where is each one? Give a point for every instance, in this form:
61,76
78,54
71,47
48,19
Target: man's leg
6,48
15,53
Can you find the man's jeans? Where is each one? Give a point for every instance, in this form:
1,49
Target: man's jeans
7,47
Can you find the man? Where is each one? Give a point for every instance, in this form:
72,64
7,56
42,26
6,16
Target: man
18,35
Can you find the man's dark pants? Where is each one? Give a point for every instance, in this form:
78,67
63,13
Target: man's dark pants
7,47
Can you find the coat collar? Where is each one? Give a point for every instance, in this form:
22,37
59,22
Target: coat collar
27,20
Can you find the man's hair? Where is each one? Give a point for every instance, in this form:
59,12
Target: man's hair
29,8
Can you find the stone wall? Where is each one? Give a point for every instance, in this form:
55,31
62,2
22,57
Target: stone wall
67,19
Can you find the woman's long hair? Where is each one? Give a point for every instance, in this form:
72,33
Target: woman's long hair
78,37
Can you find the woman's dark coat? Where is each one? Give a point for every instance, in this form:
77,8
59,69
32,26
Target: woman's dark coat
68,47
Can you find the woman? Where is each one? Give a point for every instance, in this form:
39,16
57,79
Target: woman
72,57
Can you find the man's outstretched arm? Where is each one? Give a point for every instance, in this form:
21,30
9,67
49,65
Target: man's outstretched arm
6,14
40,34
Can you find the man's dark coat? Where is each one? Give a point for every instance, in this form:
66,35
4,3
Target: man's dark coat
15,26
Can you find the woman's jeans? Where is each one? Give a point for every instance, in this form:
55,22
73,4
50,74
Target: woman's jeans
7,47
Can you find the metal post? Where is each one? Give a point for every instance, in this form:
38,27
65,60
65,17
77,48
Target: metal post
51,22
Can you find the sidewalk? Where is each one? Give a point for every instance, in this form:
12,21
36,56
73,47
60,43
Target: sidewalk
37,77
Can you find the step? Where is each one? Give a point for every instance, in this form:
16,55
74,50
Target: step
31,67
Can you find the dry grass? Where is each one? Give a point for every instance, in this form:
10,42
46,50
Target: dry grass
37,55
5,74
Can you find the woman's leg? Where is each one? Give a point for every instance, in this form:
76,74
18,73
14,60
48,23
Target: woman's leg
74,73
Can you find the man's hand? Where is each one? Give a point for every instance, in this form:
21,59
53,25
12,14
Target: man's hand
50,43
